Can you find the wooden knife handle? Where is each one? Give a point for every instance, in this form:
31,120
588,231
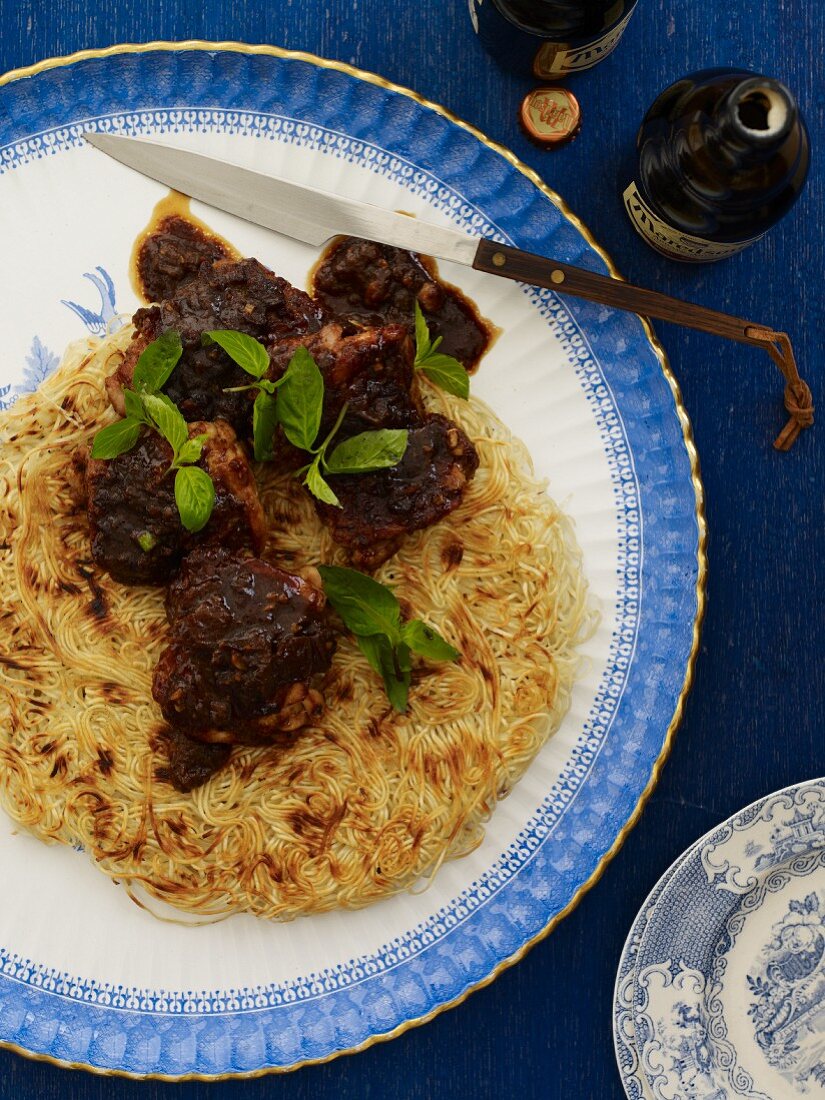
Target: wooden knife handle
526,267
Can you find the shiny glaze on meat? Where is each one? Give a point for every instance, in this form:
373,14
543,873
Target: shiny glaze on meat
379,508
169,252
190,763
246,641
134,495
172,256
230,294
371,284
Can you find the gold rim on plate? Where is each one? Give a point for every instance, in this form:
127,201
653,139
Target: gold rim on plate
687,432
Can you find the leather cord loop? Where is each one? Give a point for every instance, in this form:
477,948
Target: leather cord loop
798,398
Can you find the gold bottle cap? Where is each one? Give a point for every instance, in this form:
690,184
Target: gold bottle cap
550,116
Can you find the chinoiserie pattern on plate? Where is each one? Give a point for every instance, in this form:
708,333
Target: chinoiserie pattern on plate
729,993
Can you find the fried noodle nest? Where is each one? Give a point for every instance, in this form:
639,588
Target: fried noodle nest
351,810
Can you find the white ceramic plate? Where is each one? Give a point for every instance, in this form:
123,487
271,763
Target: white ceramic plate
108,987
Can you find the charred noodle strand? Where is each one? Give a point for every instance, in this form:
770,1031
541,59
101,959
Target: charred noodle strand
366,803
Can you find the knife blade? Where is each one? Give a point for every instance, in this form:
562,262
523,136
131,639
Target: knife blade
304,213
314,216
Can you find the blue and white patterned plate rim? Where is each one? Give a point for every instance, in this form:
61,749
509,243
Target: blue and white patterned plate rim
684,1043
624,1041
644,438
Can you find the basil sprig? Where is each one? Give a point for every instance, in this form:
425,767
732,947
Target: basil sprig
145,407
373,614
299,409
194,488
152,370
251,356
443,370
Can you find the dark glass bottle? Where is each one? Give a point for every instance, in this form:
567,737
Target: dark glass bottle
548,38
722,155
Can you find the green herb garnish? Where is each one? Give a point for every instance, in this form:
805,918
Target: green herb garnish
156,363
373,614
116,439
443,370
152,370
194,489
146,407
299,409
251,356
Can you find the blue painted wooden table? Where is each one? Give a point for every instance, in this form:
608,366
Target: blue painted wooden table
755,719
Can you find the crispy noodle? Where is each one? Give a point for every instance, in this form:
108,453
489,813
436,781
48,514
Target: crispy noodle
356,808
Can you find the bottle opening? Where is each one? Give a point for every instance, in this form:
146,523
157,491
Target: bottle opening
763,111
754,110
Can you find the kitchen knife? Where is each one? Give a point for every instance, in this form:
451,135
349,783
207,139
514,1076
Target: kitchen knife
314,216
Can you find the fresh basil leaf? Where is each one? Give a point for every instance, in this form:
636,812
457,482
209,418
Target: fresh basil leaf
156,362
319,488
194,496
134,406
301,400
147,541
246,351
422,335
116,439
427,642
447,373
366,606
368,451
442,370
378,651
264,422
168,420
190,451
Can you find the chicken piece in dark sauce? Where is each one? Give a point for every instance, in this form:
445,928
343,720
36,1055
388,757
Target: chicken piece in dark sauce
134,526
229,294
169,252
378,509
171,255
248,642
190,763
372,284
369,371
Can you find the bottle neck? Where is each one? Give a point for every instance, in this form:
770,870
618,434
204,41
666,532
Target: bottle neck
752,121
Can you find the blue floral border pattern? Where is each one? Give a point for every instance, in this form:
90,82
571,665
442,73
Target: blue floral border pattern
624,1029
237,1031
693,920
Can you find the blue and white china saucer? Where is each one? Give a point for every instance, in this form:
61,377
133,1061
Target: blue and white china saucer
624,1030
107,986
730,971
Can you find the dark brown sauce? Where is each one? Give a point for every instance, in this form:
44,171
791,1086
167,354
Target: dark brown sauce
366,283
374,284
168,253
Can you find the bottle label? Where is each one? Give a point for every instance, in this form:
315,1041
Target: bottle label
672,242
553,60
